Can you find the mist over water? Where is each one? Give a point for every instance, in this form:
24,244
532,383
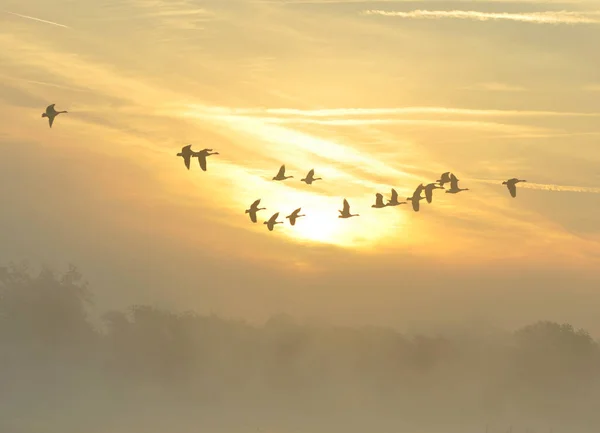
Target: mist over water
149,370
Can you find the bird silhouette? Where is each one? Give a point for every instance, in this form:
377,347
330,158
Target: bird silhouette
345,213
272,221
393,201
378,201
445,178
281,174
202,157
253,209
511,184
416,198
310,177
454,189
429,191
294,215
51,113
186,153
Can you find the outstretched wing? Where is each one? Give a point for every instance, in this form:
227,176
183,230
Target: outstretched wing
453,182
281,172
379,199
417,192
202,161
255,204
394,195
274,217
346,206
186,159
311,173
50,120
415,204
50,109
252,216
512,188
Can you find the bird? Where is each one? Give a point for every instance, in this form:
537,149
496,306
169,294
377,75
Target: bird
272,221
429,191
202,157
309,179
253,209
51,113
454,189
294,215
445,178
281,174
393,201
511,184
346,212
416,197
186,153
378,201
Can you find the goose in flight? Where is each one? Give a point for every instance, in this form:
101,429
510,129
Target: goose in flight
202,157
393,201
272,221
294,215
454,189
511,184
445,178
51,113
281,174
429,191
310,177
378,201
346,212
416,198
253,209
187,153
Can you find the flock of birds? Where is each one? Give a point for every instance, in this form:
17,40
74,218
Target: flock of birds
187,154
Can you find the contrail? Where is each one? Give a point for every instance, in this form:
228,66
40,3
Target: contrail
37,19
544,187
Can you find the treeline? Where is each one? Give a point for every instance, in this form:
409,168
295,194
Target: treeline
59,371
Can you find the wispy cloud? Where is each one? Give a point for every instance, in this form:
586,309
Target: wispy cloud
547,17
345,112
330,2
495,87
544,186
37,19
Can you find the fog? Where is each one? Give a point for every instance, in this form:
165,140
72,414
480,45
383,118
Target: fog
144,369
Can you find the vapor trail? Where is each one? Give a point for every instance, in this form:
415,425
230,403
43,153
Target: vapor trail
37,19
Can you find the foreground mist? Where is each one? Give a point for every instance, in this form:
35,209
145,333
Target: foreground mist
147,370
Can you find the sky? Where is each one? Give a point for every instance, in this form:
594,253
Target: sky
372,95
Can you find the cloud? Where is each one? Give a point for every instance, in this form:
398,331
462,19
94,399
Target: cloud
544,186
496,87
548,17
37,19
333,2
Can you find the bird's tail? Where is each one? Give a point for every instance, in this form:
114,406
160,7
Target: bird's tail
44,115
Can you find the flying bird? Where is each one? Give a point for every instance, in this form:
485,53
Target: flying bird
186,153
51,113
416,198
202,157
378,201
393,201
272,221
511,184
429,191
294,215
454,189
445,178
310,177
345,213
281,174
253,209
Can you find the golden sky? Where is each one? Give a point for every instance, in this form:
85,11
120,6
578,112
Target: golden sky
373,95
